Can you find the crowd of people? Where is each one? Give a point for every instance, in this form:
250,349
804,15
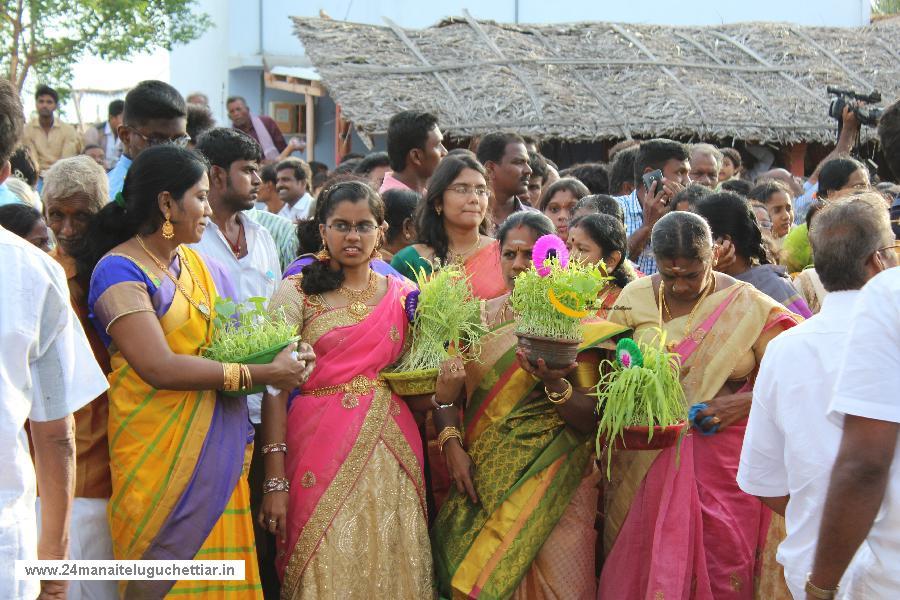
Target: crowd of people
777,293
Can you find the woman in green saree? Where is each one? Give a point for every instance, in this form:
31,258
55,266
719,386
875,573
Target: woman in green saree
520,521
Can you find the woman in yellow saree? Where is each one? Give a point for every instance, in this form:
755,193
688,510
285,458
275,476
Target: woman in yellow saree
520,521
178,451
676,524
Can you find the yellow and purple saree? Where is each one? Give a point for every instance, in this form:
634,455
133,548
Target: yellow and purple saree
178,459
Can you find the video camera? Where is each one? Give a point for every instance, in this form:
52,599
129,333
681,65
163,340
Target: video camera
866,115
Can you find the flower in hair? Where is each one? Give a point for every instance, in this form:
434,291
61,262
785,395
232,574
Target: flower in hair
547,247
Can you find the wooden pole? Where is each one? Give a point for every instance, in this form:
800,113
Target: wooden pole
796,158
310,128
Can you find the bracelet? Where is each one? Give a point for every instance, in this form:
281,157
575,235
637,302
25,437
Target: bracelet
438,406
447,433
560,397
232,373
276,447
276,484
817,592
246,380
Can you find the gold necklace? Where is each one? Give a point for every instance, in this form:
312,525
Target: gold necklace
460,256
664,306
357,299
203,307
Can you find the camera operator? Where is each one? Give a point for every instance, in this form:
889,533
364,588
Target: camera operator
849,134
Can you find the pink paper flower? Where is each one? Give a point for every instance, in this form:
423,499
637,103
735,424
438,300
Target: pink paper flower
546,247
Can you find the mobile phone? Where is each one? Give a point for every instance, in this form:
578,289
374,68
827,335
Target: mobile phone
652,176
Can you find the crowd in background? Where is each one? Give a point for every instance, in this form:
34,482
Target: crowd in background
777,291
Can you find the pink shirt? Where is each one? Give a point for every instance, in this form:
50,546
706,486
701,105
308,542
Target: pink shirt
392,183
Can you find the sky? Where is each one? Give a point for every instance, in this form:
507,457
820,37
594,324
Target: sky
94,73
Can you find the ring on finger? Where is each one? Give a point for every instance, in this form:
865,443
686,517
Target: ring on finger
454,367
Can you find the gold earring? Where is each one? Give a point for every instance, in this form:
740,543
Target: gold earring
323,255
438,210
168,231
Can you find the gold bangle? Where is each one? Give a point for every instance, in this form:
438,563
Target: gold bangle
447,433
560,397
232,377
246,380
276,447
817,592
276,484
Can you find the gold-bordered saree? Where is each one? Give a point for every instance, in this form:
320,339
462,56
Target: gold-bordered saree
530,474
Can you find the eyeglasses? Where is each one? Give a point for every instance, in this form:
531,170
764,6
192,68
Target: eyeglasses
343,228
181,141
464,189
893,247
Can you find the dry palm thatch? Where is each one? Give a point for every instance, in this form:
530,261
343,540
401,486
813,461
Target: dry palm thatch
760,82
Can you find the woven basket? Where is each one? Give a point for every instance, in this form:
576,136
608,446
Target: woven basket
412,383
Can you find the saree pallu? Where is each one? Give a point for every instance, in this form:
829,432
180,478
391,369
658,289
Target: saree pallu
356,524
177,461
530,478
677,526
482,268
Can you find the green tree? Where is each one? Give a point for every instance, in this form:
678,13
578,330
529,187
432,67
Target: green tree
48,36
885,7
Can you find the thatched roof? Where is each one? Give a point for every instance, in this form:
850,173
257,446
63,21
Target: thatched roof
760,82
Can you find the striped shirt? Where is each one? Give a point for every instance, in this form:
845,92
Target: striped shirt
634,218
283,232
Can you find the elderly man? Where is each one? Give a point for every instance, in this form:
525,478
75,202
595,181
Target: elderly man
790,445
75,189
261,128
862,510
706,162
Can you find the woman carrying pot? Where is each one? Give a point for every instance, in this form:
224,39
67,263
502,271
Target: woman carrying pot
677,525
152,299
345,488
520,520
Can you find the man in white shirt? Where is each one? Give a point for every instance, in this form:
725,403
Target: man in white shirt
248,253
292,182
47,372
790,445
863,502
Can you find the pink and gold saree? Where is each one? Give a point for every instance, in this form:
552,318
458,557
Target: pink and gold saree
356,521
677,526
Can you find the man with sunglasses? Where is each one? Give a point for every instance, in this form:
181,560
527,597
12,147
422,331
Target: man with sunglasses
155,113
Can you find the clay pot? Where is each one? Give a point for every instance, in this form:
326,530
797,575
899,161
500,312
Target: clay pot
557,353
635,438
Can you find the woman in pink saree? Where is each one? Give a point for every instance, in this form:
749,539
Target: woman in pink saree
353,523
676,524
